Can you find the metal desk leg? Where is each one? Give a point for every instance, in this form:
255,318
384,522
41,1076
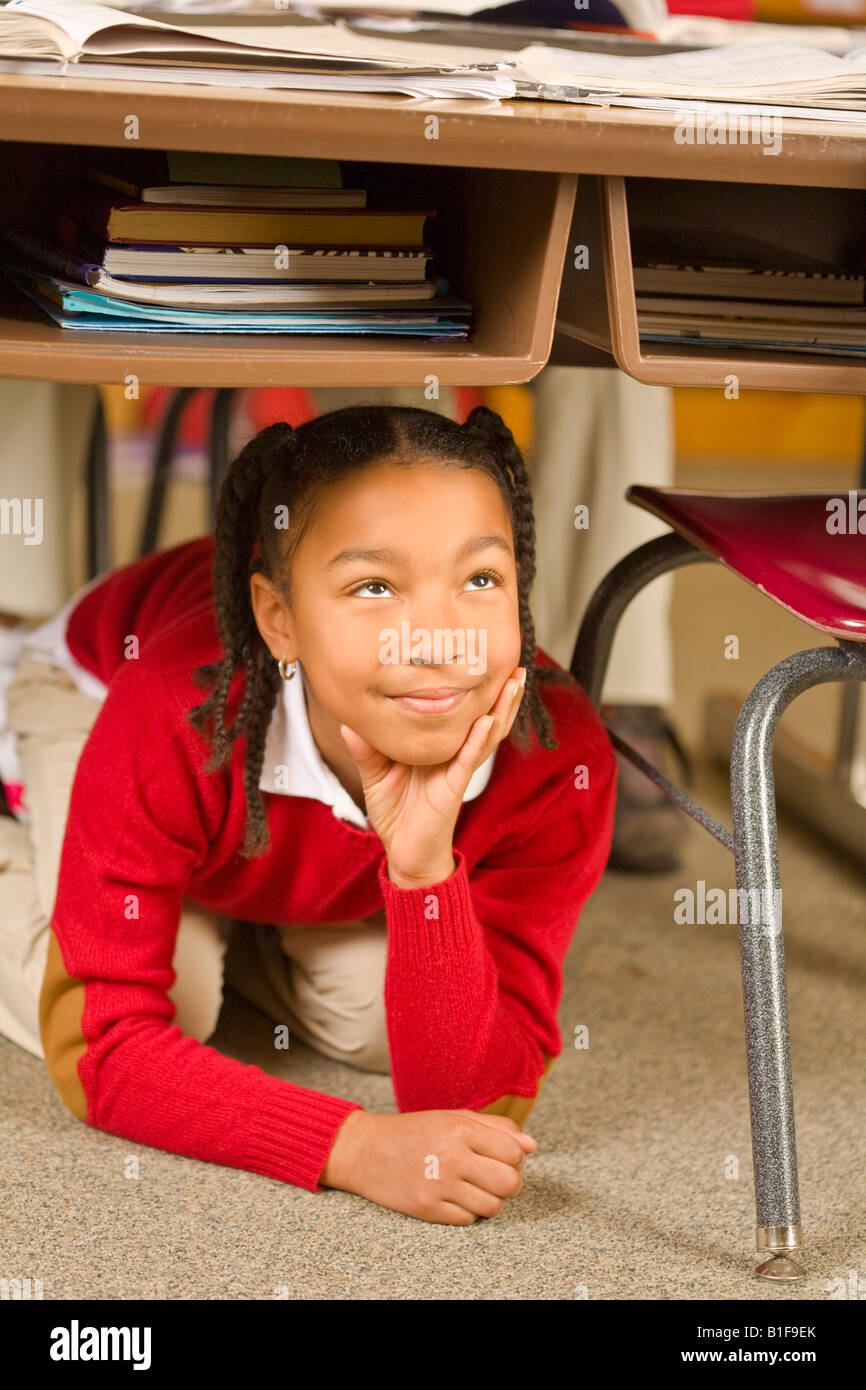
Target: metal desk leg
762,951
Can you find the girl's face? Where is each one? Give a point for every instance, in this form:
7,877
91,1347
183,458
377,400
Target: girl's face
358,617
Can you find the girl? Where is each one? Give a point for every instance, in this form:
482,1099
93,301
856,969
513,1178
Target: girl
403,894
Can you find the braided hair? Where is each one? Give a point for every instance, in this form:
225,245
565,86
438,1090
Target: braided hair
282,473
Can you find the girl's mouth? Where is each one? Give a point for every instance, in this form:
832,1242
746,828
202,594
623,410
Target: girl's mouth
429,704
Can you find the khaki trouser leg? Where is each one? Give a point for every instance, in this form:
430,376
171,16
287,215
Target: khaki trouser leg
52,720
327,986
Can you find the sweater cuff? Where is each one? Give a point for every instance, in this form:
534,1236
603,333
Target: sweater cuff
406,906
291,1131
395,888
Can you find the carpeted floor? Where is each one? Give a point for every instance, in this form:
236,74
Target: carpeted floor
631,1194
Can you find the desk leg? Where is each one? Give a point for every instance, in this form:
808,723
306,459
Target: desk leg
762,950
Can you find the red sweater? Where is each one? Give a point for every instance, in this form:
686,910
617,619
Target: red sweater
471,998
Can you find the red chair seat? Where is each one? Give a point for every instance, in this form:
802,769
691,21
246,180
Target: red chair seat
782,544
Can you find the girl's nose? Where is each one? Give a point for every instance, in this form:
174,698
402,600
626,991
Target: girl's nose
433,614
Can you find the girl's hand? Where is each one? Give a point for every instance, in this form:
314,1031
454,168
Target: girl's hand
386,1158
414,809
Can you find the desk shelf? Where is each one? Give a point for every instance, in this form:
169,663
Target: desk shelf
598,307
501,235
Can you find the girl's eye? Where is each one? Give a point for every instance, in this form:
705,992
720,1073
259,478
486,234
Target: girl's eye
369,584
489,574
372,583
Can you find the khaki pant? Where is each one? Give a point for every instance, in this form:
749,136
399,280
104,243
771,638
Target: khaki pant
325,983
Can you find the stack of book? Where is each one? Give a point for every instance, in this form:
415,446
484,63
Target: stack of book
780,268
192,243
726,306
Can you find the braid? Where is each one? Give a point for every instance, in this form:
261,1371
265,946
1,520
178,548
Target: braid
236,532
494,432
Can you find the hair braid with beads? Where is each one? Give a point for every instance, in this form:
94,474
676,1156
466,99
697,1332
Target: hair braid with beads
284,472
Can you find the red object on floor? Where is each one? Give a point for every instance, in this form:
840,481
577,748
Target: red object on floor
15,797
718,9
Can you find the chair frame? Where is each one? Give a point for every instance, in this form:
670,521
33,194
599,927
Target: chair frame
98,559
754,844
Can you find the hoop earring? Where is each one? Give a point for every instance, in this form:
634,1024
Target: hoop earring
281,663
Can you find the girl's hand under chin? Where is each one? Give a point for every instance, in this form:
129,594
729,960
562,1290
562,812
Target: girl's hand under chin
414,809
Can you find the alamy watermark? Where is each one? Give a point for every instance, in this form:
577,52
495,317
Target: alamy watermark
434,646
755,907
23,1289
22,516
730,128
77,1343
847,518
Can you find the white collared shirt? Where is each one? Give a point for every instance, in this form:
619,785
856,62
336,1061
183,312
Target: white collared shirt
291,749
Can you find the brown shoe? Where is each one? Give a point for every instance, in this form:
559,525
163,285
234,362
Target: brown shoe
649,829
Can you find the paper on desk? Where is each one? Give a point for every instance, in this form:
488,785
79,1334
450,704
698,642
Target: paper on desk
707,31
184,6
396,16
713,109
461,8
751,72
325,40
467,86
80,29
